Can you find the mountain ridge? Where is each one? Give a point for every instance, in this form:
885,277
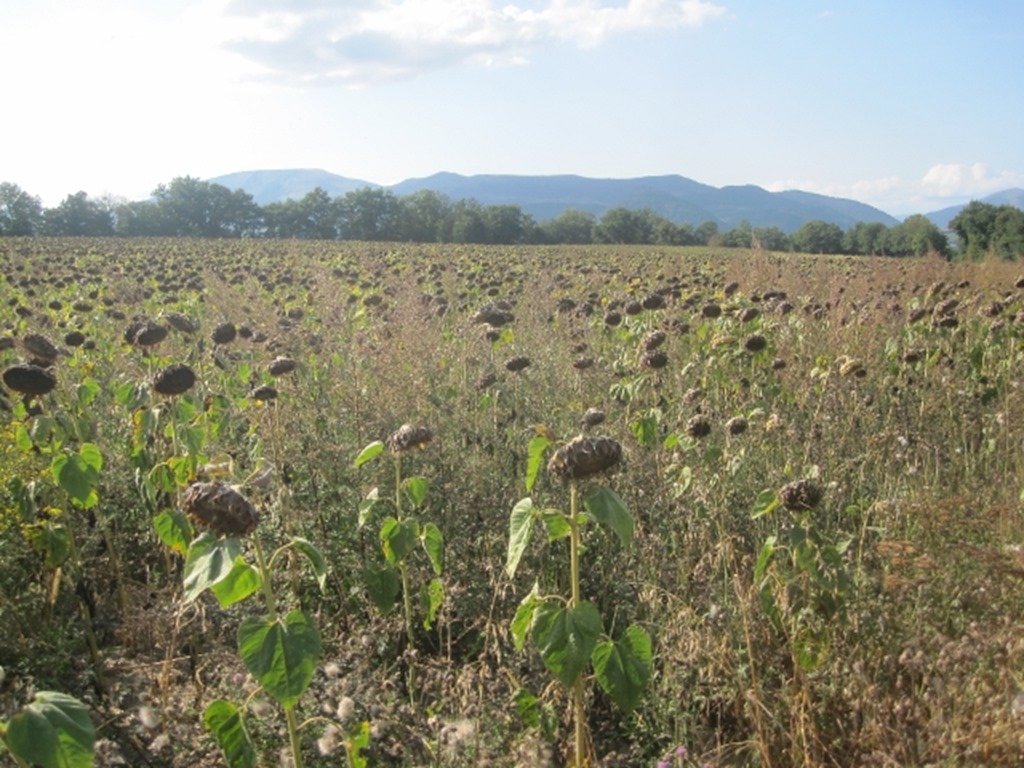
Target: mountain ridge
680,199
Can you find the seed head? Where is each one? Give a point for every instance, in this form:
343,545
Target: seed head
584,457
279,366
737,425
593,417
29,379
180,322
699,426
654,359
174,380
40,348
264,392
224,333
146,333
800,496
408,437
755,343
220,508
517,363
653,340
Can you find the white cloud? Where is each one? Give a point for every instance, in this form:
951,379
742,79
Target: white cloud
961,179
378,39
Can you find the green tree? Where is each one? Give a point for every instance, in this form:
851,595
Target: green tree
706,233
818,237
142,218
196,208
975,227
625,226
570,226
78,215
508,225
866,238
425,216
468,224
740,236
21,214
923,237
772,239
369,214
314,217
1008,235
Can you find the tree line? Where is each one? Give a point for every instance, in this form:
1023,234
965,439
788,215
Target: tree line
190,207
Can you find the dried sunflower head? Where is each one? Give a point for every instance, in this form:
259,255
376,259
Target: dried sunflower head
653,339
40,347
699,426
224,333
221,508
264,392
583,457
149,334
408,437
654,359
593,417
517,363
29,379
279,366
174,380
800,496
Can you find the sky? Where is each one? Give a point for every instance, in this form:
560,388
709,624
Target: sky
907,105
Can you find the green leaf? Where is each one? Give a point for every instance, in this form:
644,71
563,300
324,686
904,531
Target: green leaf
174,530
208,561
54,730
556,524
79,474
766,503
522,622
520,529
416,490
764,557
399,538
224,721
356,740
369,453
367,505
610,511
52,541
240,582
282,655
623,667
434,600
383,584
315,558
433,544
87,391
566,637
538,447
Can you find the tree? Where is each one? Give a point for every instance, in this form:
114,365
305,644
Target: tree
507,224
706,233
21,214
570,226
79,216
369,214
740,236
142,218
625,226
195,208
818,237
921,237
974,227
1008,234
314,217
425,216
771,239
866,238
468,222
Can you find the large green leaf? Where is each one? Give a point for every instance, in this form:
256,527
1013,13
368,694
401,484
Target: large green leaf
523,619
623,667
209,560
433,544
433,599
370,452
538,447
416,490
566,637
54,730
282,654
399,538
315,558
51,540
79,474
383,583
520,529
174,530
609,510
224,721
240,582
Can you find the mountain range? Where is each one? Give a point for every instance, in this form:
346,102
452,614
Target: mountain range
677,198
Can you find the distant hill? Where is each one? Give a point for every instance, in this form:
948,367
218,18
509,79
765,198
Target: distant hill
677,198
276,186
1014,197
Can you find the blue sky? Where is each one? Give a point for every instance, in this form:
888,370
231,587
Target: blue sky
909,106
